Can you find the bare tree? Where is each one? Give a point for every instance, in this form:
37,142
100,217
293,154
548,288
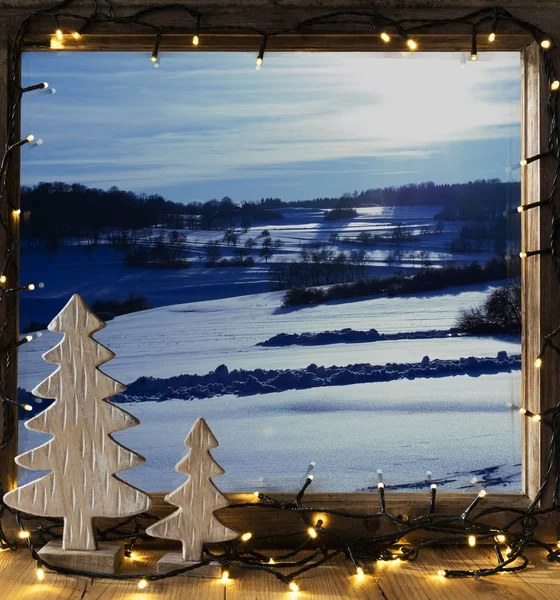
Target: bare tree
212,251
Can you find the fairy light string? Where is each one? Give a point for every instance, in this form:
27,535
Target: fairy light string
315,543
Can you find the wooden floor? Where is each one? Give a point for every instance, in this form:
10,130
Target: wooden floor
405,581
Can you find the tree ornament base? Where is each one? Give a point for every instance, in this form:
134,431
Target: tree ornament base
106,559
174,560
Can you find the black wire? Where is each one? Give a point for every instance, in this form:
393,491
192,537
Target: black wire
451,529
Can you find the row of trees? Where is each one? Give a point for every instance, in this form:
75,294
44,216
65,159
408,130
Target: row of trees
164,251
472,201
399,233
427,279
241,255
74,210
318,264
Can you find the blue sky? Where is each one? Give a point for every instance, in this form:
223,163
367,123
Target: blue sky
206,125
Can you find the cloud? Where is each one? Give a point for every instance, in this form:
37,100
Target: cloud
211,117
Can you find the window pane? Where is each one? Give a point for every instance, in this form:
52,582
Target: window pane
318,257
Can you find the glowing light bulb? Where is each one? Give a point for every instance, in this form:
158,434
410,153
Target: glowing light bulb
17,212
30,137
523,162
257,494
442,573
271,561
246,536
225,577
381,485
310,477
472,541
153,58
3,279
385,37
59,35
538,363
492,37
536,418
360,573
546,44
259,61
31,287
28,338
40,574
434,486
195,40
520,209
312,533
501,538
142,584
412,44
474,57
523,255
294,587
555,85
23,535
482,493
55,44
508,551
27,407
76,35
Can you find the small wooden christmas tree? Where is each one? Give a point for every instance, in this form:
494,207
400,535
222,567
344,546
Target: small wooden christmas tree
194,523
82,456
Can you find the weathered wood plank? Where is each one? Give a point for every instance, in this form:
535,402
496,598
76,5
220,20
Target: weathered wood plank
541,290
289,42
270,17
18,580
415,580
419,579
9,305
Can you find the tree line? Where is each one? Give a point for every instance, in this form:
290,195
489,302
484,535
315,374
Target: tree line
424,280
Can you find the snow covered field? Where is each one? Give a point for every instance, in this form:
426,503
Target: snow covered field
458,427
199,336
105,275
453,426
450,426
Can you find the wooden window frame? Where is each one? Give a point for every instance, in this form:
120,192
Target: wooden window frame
540,288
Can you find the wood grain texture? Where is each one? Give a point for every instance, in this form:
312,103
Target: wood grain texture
9,305
541,290
194,523
419,579
409,581
276,14
174,560
82,456
106,559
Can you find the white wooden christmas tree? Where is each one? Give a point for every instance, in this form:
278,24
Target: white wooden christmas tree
82,456
194,522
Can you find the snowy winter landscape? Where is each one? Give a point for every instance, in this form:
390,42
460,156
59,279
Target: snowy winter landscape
376,379
418,419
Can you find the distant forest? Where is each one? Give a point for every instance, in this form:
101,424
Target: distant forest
61,210
472,201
